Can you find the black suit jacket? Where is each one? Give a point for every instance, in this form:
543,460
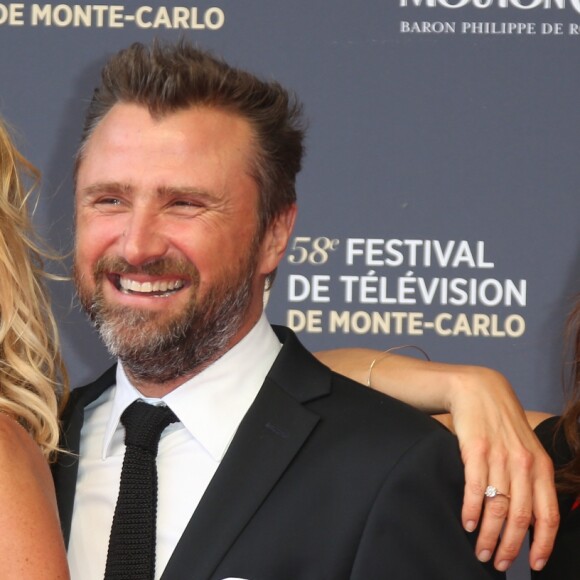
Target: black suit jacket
324,480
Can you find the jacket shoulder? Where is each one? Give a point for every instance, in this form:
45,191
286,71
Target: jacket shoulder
342,401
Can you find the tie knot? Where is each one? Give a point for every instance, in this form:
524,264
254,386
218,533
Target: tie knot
144,424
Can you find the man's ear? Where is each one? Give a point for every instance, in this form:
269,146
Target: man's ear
276,239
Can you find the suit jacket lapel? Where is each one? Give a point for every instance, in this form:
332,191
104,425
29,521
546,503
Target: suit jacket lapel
272,432
65,469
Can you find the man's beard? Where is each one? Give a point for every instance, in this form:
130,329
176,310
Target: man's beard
156,350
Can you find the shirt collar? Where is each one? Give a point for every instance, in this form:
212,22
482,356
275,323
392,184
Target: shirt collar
212,404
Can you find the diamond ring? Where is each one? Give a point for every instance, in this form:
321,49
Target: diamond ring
491,491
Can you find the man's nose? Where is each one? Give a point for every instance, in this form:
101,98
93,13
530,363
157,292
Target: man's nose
142,240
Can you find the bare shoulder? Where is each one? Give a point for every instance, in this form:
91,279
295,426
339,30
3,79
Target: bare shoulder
31,543
18,452
536,417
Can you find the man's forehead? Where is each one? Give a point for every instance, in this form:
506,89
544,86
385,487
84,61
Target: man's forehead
206,128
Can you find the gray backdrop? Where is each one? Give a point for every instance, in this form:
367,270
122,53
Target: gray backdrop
438,201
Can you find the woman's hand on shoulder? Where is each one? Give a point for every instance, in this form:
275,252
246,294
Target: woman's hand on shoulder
500,449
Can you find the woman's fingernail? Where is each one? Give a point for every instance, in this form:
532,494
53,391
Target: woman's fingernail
539,564
503,565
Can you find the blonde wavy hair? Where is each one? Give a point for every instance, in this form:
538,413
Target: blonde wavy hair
33,380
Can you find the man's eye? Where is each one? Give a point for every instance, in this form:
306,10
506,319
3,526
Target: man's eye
108,201
186,203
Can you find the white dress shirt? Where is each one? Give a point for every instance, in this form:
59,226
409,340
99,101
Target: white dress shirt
209,407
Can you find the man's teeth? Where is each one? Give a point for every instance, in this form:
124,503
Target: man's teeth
149,287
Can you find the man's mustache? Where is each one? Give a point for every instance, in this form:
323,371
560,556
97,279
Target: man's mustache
160,267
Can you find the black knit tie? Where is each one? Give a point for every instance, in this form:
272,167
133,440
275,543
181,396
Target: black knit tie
131,554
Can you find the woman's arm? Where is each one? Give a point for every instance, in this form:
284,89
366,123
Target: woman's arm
497,445
31,544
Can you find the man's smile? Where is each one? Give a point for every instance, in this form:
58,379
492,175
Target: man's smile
129,285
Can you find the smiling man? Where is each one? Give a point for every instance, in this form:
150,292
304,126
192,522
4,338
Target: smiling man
269,466
169,254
